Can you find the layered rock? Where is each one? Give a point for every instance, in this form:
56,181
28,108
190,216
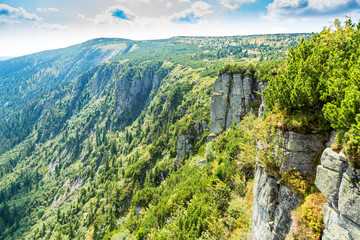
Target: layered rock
329,175
234,95
273,201
340,185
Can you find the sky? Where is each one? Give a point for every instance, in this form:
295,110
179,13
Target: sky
28,26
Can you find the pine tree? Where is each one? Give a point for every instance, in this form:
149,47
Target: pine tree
71,231
43,230
111,218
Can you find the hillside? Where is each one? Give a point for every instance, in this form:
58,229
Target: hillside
28,81
253,137
90,137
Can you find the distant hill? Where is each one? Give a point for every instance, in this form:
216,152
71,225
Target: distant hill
4,58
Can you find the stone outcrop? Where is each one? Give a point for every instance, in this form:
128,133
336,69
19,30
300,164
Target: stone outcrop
329,175
273,201
340,185
272,205
234,94
262,108
187,140
301,151
233,97
134,90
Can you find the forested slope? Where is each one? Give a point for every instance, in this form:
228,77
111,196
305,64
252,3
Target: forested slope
91,150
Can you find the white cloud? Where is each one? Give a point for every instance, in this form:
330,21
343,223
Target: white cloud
200,9
296,8
197,10
80,17
184,1
325,5
10,13
53,26
282,7
7,21
169,4
47,9
234,4
114,14
145,1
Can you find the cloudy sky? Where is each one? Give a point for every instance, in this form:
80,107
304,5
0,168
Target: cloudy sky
28,26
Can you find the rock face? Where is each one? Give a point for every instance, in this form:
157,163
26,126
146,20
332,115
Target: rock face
134,90
262,108
233,97
340,185
300,151
329,175
102,76
273,202
187,140
272,205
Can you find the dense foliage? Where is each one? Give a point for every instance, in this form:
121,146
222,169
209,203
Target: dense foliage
92,154
321,79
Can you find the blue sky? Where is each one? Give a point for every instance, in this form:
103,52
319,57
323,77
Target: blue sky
28,26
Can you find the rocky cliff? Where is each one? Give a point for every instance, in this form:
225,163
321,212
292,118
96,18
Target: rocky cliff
135,89
276,200
273,200
234,95
187,140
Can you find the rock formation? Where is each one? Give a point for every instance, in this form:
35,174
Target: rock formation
262,108
187,140
273,201
272,205
234,96
340,185
133,91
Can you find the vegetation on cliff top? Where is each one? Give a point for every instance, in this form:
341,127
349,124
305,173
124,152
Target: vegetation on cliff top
321,78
